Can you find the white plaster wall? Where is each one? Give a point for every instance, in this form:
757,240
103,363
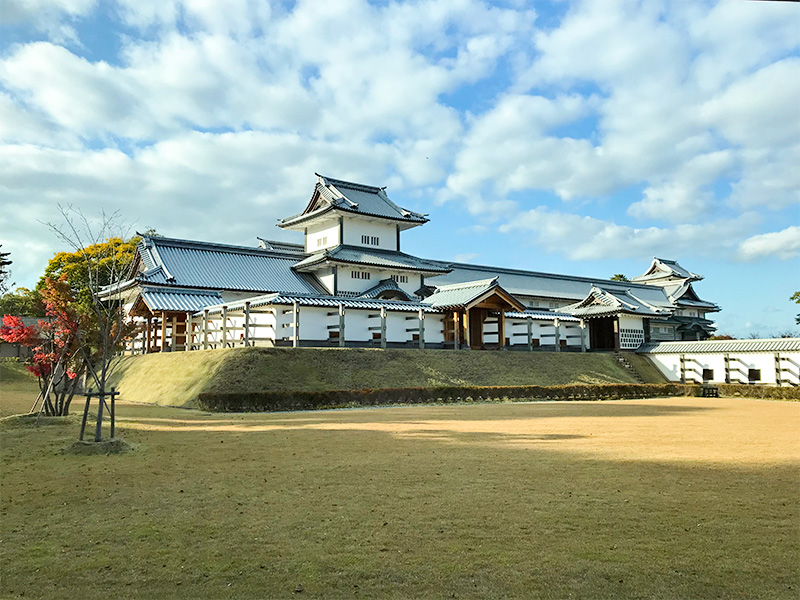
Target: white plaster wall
357,324
669,365
355,228
325,277
631,332
346,283
314,322
572,332
319,231
263,326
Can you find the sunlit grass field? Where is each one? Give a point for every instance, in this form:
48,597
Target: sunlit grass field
672,498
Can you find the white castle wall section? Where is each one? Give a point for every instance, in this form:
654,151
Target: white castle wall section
321,236
347,283
669,365
631,332
543,331
354,229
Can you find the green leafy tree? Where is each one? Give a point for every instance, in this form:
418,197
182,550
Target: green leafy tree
619,277
796,298
22,302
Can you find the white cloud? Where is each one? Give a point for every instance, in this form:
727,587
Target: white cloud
587,238
684,197
644,73
47,16
784,244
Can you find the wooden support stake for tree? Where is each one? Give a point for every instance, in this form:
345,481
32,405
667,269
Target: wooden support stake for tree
85,413
113,420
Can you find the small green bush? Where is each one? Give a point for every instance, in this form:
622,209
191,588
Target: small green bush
759,391
311,400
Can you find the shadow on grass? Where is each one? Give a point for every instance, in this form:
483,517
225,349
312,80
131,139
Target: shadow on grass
398,415
432,512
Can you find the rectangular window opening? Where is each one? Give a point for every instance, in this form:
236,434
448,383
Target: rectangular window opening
708,374
754,374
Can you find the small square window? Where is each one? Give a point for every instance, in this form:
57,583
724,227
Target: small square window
708,374
333,335
754,374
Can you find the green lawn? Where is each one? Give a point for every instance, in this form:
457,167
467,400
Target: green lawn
672,498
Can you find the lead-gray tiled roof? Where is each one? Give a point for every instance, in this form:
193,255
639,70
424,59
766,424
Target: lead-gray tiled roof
386,259
355,198
460,294
601,302
180,300
728,346
222,267
662,268
546,285
323,301
385,285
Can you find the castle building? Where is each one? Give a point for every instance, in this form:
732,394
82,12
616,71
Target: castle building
349,284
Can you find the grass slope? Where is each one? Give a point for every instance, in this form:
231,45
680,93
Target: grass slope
645,368
18,388
176,378
671,499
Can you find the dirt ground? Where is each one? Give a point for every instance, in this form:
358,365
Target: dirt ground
662,498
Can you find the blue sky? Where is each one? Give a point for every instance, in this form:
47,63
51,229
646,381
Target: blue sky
570,137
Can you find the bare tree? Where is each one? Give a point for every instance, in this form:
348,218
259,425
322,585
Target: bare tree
104,323
4,272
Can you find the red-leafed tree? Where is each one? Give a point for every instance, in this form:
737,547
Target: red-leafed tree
80,302
54,344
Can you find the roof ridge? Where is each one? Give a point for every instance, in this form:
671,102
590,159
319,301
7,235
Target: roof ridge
217,246
510,271
363,187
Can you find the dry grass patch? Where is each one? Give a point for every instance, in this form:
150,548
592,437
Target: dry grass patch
176,378
669,498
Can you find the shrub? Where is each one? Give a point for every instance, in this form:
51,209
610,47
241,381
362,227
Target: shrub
759,391
311,400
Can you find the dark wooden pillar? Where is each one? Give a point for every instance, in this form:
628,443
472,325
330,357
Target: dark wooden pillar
148,335
163,331
616,334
